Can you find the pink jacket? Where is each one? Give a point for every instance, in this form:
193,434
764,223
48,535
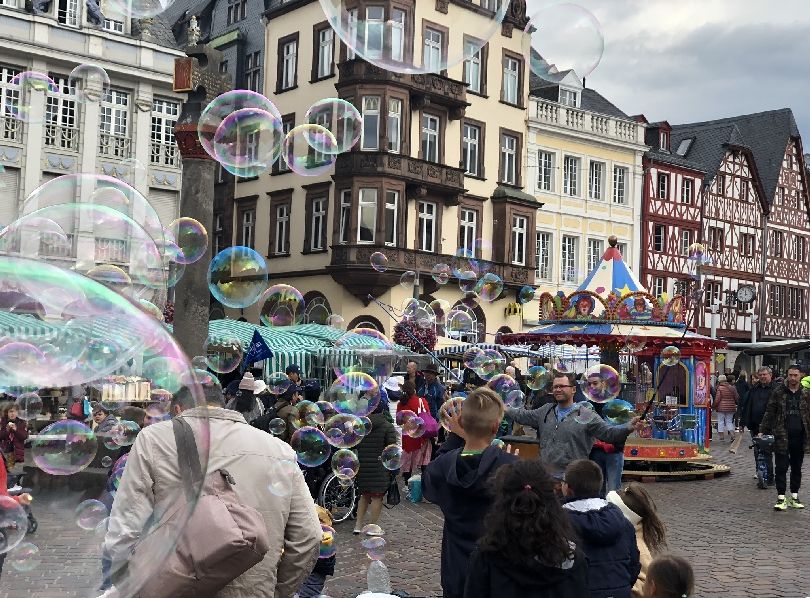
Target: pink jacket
726,398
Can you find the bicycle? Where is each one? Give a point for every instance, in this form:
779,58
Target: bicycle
330,492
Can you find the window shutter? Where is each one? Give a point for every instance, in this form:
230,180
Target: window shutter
166,205
9,195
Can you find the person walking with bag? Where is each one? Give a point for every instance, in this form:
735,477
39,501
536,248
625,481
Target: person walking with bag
234,555
725,405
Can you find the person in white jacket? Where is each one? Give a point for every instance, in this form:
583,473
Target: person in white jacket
267,479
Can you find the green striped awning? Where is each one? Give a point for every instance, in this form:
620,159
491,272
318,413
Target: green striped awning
21,327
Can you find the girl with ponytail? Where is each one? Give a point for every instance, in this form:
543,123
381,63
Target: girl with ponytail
529,547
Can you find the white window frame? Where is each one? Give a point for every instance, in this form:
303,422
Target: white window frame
509,146
545,170
111,25
432,50
427,224
519,229
367,203
571,175
345,215
397,25
218,228
115,112
371,117
568,259
351,27
596,248
621,246
61,113
468,226
394,125
326,51
374,26
687,184
659,286
663,185
472,66
282,225
165,113
248,228
391,208
286,127
543,251
318,224
569,97
471,149
70,14
686,240
430,137
253,71
620,177
596,180
511,79
290,64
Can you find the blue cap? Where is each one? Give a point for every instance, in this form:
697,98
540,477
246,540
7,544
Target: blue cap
292,369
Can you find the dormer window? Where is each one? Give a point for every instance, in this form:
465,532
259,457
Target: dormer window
663,140
569,98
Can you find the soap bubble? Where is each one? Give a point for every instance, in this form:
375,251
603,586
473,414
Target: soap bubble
378,36
135,9
375,547
585,414
28,405
328,546
299,153
340,118
277,426
281,305
696,251
90,82
565,36
281,473
336,321
306,413
191,238
503,384
64,447
379,261
25,557
106,461
13,523
372,529
450,406
497,442
418,312
310,446
618,412
248,141
459,322
345,464
441,273
670,355
515,398
391,457
470,355
408,279
440,307
467,281
124,432
489,287
414,427
29,83
344,430
223,352
537,378
354,393
601,383
489,363
90,513
278,383
327,409
526,295
225,105
237,276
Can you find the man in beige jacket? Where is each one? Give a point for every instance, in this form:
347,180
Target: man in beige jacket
267,479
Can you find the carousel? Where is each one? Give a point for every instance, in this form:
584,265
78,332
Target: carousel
664,367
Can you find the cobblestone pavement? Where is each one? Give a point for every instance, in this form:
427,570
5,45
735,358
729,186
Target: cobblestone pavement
739,546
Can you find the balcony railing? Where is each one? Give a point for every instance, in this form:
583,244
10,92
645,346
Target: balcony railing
114,146
57,246
587,122
165,154
11,129
62,137
112,250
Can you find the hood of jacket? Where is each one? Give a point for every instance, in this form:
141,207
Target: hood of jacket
475,479
536,575
597,520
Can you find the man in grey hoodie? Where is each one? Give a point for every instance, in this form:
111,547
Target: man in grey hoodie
566,430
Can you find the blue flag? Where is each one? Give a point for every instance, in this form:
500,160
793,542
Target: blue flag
257,351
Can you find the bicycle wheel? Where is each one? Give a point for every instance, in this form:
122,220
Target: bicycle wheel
336,499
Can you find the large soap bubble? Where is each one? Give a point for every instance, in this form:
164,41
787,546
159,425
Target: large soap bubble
223,106
340,118
90,82
601,383
237,276
281,305
565,36
20,106
248,141
310,446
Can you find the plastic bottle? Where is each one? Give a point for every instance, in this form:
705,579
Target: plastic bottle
415,488
378,579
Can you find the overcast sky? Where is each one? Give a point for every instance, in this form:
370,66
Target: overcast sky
694,60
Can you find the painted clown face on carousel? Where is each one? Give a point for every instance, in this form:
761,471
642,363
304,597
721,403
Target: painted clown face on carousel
581,308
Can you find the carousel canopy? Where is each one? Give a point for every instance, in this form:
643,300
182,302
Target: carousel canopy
611,274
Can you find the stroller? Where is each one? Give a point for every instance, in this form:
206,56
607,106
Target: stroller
762,445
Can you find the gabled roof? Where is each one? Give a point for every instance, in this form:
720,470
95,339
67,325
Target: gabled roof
710,142
766,134
657,155
593,101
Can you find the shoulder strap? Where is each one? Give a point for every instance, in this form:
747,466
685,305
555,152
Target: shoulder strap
188,458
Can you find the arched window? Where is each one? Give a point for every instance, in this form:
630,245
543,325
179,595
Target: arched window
366,322
316,308
478,331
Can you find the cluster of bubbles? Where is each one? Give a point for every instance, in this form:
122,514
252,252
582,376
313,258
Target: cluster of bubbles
244,132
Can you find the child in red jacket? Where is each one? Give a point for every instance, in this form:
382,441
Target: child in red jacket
13,434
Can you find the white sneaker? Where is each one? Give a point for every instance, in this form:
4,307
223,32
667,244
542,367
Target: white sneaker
15,488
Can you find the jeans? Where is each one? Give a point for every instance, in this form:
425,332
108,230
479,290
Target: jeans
614,463
312,586
794,459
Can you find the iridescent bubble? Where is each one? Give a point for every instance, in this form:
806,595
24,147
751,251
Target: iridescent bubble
28,405
344,430
190,237
364,339
537,378
328,545
20,106
90,82
378,35
440,307
670,355
25,557
90,513
497,442
165,372
696,251
441,273
489,363
345,464
223,106
565,36
281,305
306,413
367,425
391,457
278,383
248,141
379,262
418,313
470,356
375,547
503,384
111,276
618,412
124,432
223,352
467,281
450,407
106,461
489,287
355,393
64,447
237,276
336,321
372,529
340,118
13,523
310,446
585,414
414,427
601,383
326,408
299,152
281,473
277,426
459,322
560,367
515,398
634,346
408,279
123,10
526,295
150,308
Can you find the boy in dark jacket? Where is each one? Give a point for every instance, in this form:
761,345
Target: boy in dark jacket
458,479
607,537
